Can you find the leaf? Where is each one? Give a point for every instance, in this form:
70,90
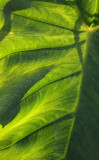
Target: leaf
49,81
89,11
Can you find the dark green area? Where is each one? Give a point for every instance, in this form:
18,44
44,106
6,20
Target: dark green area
84,142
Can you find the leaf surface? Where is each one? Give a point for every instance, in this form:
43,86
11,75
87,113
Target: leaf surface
48,81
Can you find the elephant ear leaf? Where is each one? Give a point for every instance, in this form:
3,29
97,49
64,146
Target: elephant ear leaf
49,92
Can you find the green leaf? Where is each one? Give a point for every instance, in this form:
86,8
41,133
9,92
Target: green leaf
89,11
49,92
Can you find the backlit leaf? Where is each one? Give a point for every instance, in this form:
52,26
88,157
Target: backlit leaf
49,74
